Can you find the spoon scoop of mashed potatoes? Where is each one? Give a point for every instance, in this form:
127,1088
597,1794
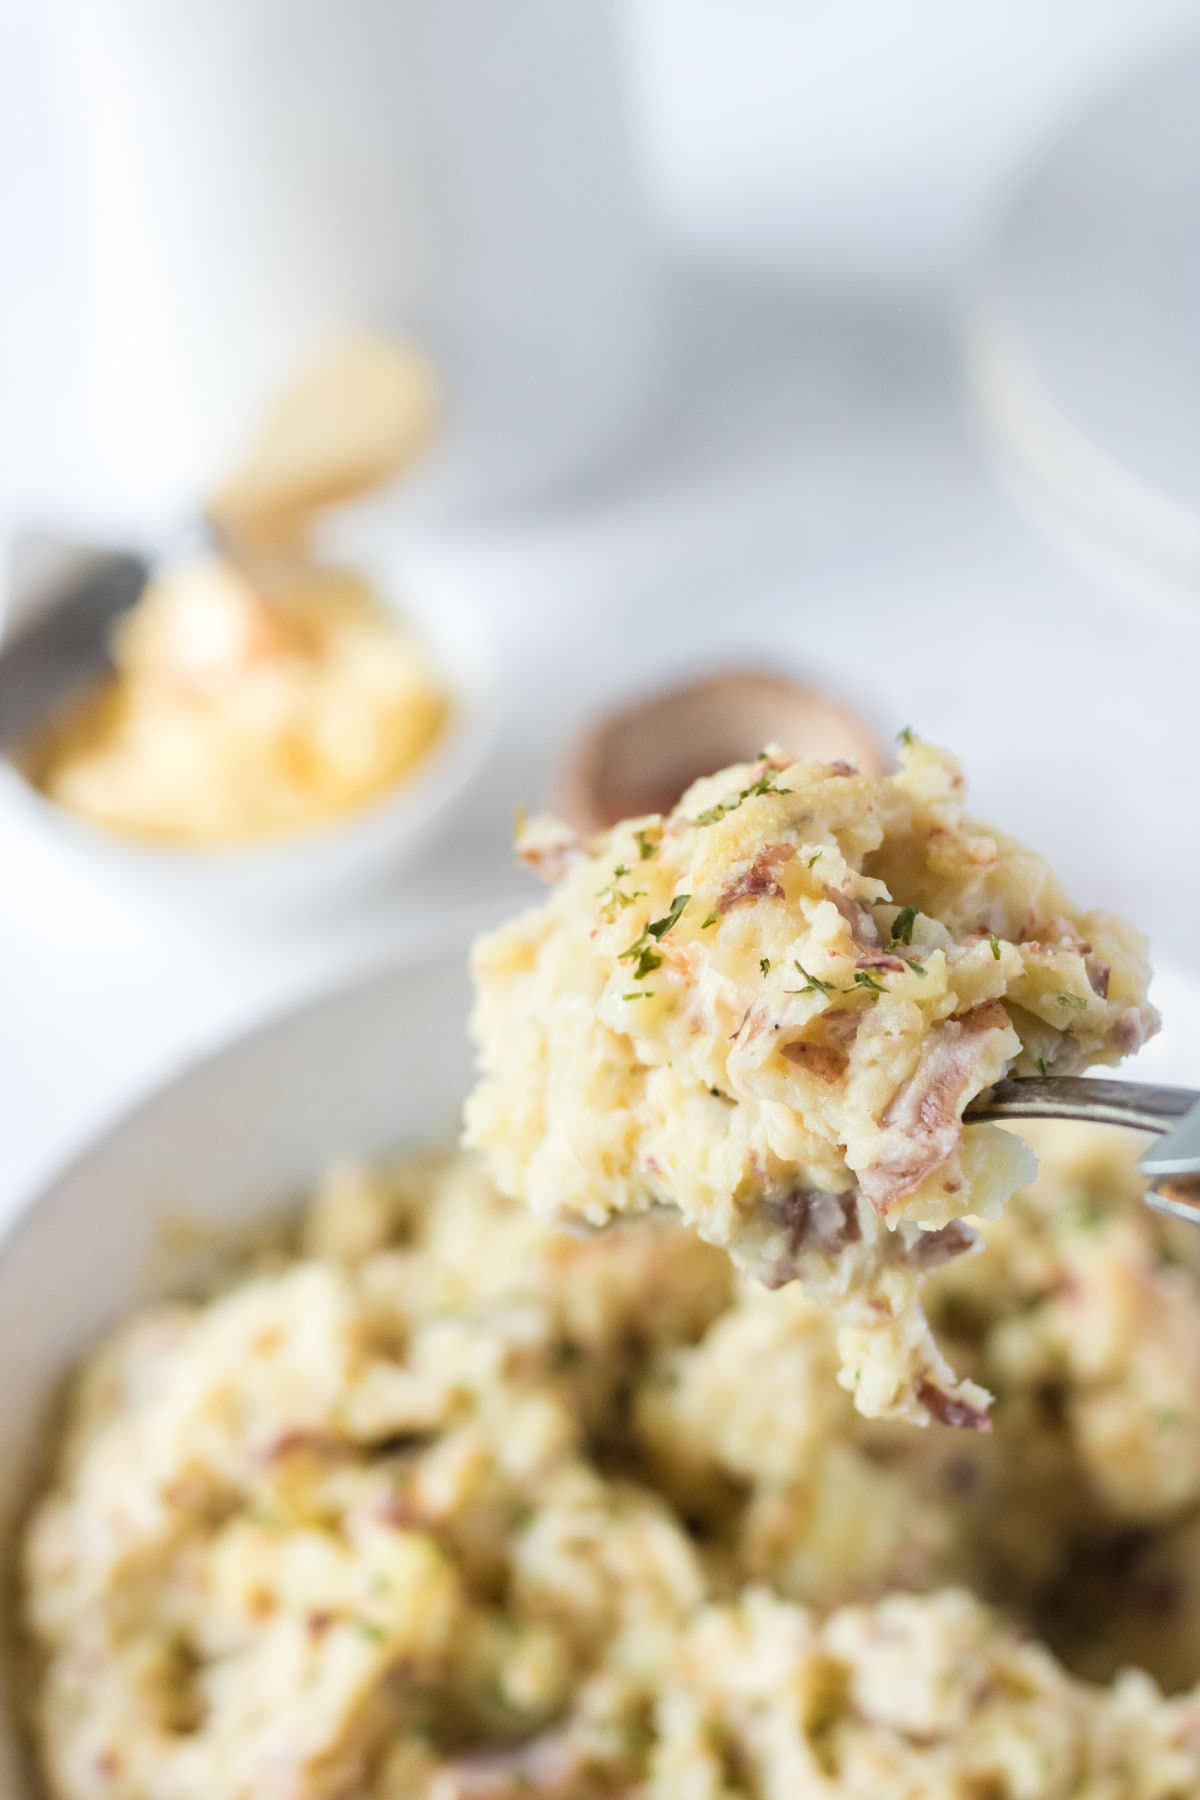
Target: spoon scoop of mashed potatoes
769,1010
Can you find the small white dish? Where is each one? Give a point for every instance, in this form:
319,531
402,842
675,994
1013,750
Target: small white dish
311,872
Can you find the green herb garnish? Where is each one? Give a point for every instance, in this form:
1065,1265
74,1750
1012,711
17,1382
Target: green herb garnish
371,1630
711,920
907,736
764,963
863,980
812,983
638,994
645,846
647,961
814,858
1041,1065
1075,1001
994,941
658,928
918,968
902,926
764,785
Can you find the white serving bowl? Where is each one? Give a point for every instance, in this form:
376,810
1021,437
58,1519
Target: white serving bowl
312,872
379,1064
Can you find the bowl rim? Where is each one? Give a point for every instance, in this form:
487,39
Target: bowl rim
348,985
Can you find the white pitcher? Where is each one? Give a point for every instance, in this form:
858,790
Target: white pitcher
256,177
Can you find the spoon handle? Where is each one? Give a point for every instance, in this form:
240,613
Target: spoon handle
1171,1164
1100,1102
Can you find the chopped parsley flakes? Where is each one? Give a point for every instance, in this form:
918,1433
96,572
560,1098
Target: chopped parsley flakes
812,983
647,961
764,785
902,926
994,941
1075,1001
646,848
764,963
641,953
658,928
863,980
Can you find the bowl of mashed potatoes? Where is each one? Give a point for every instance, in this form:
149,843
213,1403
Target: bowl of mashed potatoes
270,734
326,1471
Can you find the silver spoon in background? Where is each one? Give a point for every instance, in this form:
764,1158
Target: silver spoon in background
65,600
355,419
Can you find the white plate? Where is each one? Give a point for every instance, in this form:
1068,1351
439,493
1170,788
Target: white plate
381,1063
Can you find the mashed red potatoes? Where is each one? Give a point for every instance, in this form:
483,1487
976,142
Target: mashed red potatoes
244,709
437,1504
770,1009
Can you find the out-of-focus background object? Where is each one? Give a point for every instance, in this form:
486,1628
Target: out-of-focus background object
354,420
640,758
251,696
1083,341
245,179
772,472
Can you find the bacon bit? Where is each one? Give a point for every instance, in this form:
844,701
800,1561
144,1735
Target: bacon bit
815,1219
759,881
880,959
952,1409
317,1624
927,1109
933,1248
824,1062
325,1444
1098,974
864,933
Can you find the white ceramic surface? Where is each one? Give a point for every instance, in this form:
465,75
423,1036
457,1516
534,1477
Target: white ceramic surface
382,1063
307,874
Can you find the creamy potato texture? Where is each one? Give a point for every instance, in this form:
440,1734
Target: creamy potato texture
245,708
769,1009
434,1503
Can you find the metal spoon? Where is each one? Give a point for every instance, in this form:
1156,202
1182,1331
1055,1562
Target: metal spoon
59,641
1172,1114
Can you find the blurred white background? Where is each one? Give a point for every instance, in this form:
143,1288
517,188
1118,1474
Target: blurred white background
809,490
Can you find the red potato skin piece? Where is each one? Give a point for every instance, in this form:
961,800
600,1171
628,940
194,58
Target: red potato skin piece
759,881
927,1109
950,1409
